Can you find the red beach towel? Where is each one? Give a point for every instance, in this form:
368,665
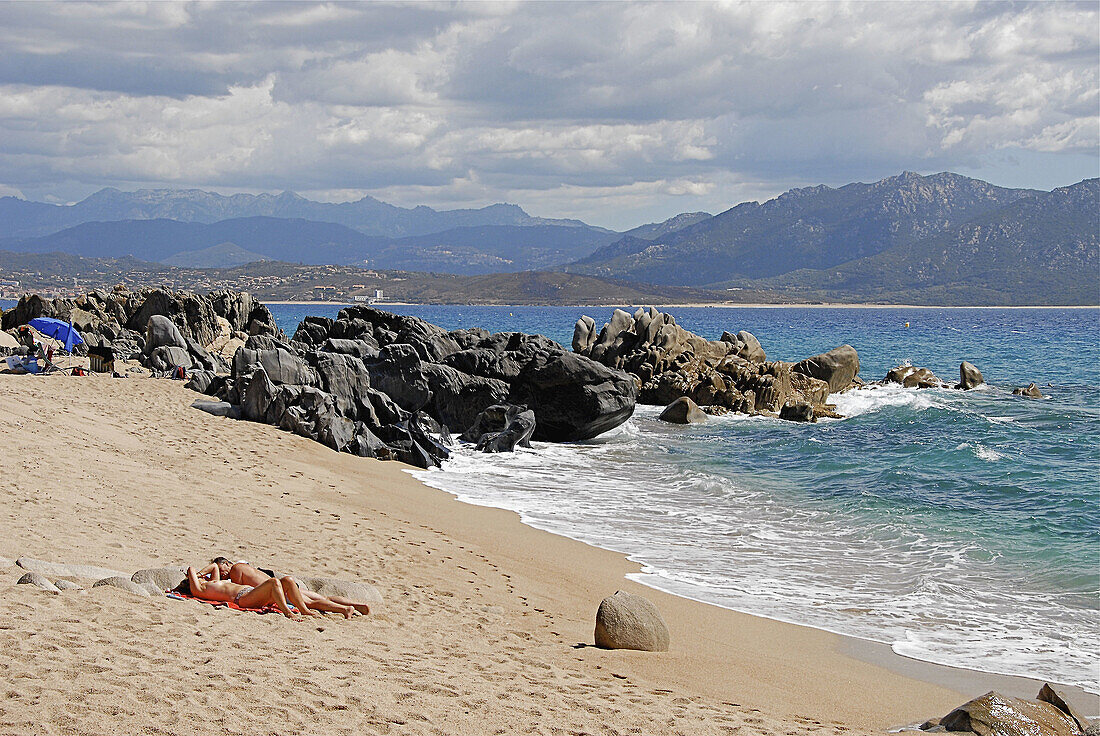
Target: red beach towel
224,604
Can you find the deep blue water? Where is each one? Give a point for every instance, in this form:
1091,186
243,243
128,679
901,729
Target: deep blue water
960,527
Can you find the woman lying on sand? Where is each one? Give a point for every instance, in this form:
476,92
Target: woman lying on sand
243,573
272,592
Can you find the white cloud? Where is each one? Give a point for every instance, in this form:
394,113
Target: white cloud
564,106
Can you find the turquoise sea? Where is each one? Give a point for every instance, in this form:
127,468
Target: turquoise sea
958,527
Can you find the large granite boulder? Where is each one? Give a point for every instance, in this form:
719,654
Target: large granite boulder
162,332
837,367
167,357
668,362
573,398
628,621
994,714
969,376
797,411
683,411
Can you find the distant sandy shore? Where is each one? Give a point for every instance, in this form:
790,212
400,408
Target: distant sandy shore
486,628
724,305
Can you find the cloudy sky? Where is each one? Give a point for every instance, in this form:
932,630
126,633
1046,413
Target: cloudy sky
616,113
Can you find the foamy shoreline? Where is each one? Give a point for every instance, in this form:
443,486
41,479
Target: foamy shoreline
485,619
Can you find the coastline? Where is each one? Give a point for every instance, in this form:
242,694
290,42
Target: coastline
966,682
156,482
689,305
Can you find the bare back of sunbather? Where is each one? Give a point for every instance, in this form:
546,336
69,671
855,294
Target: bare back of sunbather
245,574
271,592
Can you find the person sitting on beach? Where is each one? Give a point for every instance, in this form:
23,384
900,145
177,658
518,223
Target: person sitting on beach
272,592
243,573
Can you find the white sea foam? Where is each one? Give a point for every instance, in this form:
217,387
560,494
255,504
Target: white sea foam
875,398
737,541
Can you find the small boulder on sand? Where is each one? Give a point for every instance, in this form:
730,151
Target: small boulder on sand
628,621
123,584
58,570
163,578
355,591
38,580
683,411
64,584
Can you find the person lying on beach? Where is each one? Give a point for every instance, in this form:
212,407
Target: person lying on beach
243,573
272,592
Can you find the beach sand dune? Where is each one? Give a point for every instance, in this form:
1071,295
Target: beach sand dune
485,627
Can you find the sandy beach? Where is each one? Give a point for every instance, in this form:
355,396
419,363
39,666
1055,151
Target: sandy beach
486,627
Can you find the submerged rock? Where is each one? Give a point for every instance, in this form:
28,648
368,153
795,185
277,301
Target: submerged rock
683,411
797,411
1031,391
913,377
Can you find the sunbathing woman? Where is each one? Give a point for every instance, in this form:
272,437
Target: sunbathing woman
270,593
243,573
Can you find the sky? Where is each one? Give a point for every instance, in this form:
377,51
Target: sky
614,113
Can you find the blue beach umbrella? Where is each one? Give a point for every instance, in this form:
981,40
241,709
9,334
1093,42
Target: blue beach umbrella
58,330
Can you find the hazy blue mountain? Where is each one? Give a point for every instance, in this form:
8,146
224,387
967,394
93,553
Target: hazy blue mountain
810,228
1042,249
223,255
156,240
671,225
20,218
465,250
493,249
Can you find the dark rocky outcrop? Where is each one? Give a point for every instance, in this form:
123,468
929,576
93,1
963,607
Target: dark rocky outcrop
668,362
135,324
683,411
628,621
387,386
501,427
969,376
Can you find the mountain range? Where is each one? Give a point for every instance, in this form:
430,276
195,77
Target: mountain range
942,238
22,219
